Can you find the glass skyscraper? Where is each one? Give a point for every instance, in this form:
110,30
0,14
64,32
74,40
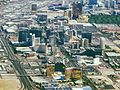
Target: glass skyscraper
92,2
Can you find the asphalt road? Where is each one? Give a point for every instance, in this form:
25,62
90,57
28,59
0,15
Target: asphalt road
16,64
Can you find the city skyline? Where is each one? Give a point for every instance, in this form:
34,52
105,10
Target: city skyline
60,45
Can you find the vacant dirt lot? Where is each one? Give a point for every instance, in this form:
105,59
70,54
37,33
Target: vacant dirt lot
6,84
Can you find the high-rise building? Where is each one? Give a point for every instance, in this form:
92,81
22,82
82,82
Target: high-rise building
52,40
50,69
23,36
92,2
81,2
33,40
49,50
77,9
102,42
37,32
34,7
73,73
61,38
85,43
64,3
80,6
113,3
68,14
74,10
42,48
110,3
107,3
88,36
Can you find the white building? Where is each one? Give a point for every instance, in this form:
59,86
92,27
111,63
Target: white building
102,42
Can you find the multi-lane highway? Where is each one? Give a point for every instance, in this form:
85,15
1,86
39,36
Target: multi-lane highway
20,71
16,63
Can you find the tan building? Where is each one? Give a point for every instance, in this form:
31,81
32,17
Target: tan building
83,19
73,73
50,70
